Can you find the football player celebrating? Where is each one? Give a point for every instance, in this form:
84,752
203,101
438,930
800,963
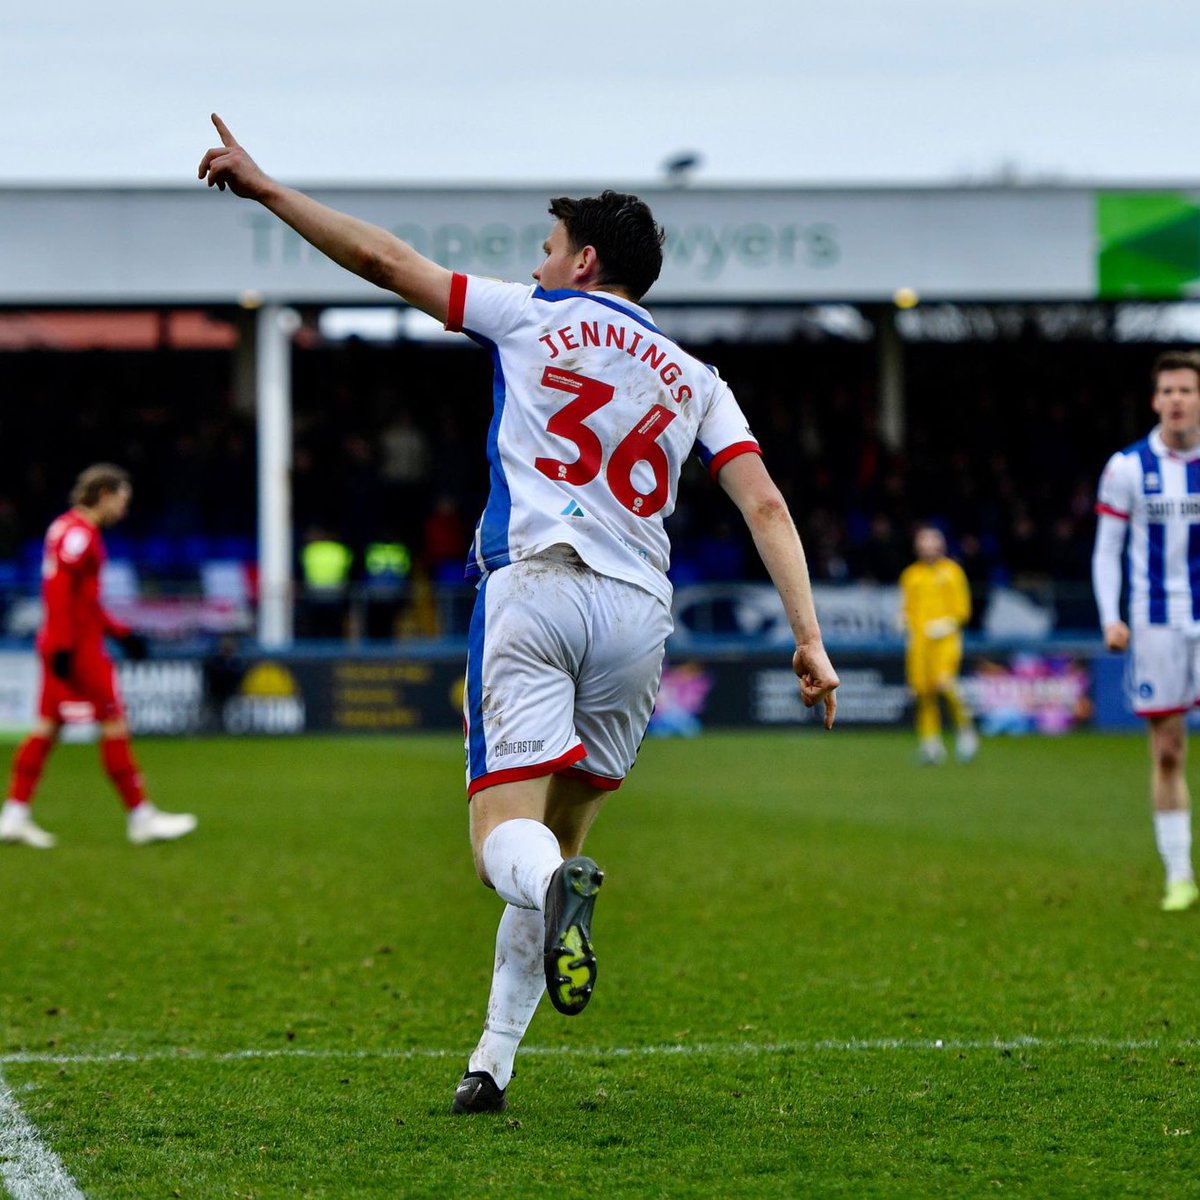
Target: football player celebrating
595,411
76,667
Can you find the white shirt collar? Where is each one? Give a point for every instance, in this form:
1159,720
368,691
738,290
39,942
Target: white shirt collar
1161,449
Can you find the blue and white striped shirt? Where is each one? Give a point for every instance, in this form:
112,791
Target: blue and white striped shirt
1157,491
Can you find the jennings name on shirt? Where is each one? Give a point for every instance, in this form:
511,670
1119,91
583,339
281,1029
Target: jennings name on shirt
587,333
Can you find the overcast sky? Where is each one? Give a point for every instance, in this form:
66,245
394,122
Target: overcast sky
498,91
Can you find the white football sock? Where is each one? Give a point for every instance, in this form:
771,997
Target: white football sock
519,857
518,981
1173,835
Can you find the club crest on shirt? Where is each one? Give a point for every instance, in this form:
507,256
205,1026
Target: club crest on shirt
1151,482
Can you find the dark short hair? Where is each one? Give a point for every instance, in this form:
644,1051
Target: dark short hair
1176,360
97,479
622,229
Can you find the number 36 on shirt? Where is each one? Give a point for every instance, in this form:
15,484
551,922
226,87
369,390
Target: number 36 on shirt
640,444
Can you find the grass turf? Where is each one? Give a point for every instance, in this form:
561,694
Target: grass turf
281,1004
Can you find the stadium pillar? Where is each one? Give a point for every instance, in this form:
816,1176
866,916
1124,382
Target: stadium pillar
273,329
891,415
245,363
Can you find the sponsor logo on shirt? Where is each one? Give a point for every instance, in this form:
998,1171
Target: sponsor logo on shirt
1163,509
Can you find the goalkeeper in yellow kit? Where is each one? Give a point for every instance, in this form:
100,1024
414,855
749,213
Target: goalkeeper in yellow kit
936,604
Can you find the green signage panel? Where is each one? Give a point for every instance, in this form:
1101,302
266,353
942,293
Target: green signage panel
1149,244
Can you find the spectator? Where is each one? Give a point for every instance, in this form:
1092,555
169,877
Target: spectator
884,554
446,540
404,471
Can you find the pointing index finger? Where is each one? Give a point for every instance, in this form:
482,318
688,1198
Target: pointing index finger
227,138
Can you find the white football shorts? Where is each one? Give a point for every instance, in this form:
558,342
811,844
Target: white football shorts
1163,670
563,667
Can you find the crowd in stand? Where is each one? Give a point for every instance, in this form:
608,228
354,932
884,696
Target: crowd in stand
166,416
1004,445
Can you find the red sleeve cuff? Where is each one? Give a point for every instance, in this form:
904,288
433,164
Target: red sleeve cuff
731,452
458,303
1104,510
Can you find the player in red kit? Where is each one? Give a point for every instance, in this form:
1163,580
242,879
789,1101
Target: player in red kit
75,665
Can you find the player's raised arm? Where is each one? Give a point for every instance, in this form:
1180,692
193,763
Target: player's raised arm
377,255
751,488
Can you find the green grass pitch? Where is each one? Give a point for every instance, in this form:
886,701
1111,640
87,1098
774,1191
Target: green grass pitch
280,1005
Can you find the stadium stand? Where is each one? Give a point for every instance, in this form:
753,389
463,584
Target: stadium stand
1005,441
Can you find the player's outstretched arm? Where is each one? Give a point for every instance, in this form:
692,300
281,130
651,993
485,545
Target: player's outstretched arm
765,512
377,255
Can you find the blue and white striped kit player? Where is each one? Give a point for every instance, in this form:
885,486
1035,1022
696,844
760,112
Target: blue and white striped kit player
595,412
1153,494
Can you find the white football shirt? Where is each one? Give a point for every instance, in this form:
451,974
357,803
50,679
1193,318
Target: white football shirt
595,412
1157,491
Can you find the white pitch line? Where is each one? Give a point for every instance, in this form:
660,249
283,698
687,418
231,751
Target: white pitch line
668,1050
29,1169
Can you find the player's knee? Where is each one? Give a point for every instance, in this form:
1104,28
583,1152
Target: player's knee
482,827
1170,753
480,869
1169,760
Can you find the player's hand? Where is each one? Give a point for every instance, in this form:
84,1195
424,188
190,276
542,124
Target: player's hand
940,628
60,664
817,678
1116,635
136,648
230,166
